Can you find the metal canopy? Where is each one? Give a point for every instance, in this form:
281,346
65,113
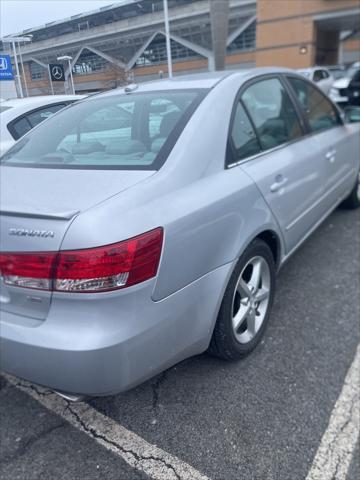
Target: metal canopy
339,20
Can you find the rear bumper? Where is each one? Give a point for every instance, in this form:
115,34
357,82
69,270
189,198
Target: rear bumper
107,343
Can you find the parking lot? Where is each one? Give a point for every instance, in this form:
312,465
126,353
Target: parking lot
263,418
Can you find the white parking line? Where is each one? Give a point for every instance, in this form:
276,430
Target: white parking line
136,451
331,461
338,443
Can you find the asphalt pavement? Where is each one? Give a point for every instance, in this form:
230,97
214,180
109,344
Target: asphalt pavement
259,419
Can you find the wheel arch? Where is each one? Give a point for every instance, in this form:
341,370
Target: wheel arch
271,238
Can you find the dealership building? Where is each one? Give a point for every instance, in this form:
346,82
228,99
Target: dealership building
125,41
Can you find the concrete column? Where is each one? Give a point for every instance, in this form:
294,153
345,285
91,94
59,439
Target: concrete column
219,13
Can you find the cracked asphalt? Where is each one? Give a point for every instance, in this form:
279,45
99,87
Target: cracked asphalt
259,419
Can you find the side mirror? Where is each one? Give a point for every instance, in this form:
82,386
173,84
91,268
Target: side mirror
352,114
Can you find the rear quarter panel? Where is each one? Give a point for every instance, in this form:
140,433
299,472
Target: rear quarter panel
209,214
208,225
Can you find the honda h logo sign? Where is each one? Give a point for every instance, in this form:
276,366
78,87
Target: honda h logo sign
6,72
3,63
57,72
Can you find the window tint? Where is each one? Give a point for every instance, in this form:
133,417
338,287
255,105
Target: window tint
272,113
117,131
20,127
319,111
42,114
243,135
325,74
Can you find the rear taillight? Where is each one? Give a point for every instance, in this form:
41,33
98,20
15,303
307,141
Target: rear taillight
97,269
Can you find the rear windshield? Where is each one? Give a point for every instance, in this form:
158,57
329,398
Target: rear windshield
135,131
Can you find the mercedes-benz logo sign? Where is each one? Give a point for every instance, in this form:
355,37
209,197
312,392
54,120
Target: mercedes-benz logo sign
56,72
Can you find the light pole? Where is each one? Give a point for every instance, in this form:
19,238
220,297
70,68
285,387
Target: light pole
23,71
167,36
51,84
13,41
68,58
17,71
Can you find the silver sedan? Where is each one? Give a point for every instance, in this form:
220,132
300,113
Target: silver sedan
145,225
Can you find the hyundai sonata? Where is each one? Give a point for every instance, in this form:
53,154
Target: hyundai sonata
145,225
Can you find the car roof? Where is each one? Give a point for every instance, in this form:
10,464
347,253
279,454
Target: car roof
206,80
39,100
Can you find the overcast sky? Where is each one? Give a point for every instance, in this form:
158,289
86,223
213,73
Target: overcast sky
18,15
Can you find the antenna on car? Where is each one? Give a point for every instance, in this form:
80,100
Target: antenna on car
131,88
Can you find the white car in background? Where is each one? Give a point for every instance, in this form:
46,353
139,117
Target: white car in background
19,115
321,76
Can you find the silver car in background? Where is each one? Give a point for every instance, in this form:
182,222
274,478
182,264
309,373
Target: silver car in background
142,226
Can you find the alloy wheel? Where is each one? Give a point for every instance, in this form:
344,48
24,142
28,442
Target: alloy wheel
251,299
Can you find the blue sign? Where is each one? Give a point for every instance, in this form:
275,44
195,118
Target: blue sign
6,72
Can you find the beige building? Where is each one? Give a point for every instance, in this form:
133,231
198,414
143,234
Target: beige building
302,33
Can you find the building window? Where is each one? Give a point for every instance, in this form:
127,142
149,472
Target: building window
37,72
89,63
155,53
245,41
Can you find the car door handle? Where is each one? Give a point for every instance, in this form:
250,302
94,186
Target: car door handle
330,155
279,183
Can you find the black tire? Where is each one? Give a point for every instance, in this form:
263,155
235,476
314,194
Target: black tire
224,343
353,200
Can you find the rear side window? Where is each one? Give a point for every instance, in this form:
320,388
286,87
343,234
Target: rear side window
25,123
319,111
318,75
243,137
272,113
135,131
42,114
19,127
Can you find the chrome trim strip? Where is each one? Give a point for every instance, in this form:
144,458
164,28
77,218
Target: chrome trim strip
318,201
312,229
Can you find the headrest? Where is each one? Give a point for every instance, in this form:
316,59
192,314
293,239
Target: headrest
125,147
87,147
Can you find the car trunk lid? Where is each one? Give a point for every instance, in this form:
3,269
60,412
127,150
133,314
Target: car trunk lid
37,207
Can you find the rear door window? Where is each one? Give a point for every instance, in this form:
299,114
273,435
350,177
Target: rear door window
25,123
318,75
243,137
19,127
42,114
272,112
319,111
